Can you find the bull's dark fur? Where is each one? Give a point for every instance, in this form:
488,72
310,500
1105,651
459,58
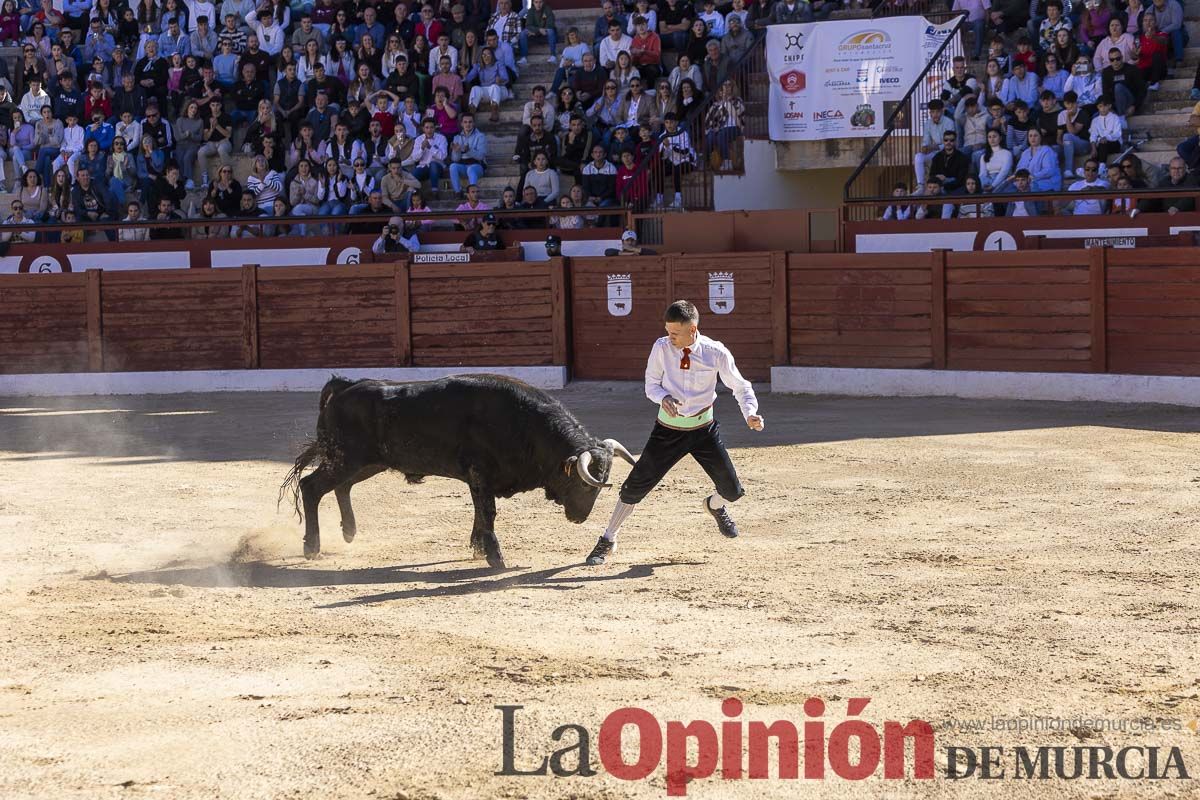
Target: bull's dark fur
498,435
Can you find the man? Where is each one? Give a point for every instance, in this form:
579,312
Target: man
539,23
1073,126
681,379
98,43
18,218
486,238
608,15
613,44
1177,178
468,152
645,50
1106,132
1188,149
629,247
600,179
398,236
246,96
289,104
934,128
396,186
1123,83
1091,181
506,24
307,32
472,206
270,35
1022,184
934,210
319,83
950,165
68,99
166,211
1021,85
714,23
715,66
588,80
203,41
99,131
89,200
789,12
674,20
959,85
254,54
371,26
428,158
536,140
738,41
173,41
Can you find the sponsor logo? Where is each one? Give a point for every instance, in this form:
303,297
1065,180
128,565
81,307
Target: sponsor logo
865,40
863,117
793,116
792,81
837,84
823,116
793,41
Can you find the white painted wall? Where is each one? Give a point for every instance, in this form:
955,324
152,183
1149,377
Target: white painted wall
766,187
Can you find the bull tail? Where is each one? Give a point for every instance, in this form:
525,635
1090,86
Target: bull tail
312,455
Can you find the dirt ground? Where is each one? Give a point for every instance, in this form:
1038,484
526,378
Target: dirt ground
951,560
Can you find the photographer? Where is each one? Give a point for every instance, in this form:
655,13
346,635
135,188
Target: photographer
391,240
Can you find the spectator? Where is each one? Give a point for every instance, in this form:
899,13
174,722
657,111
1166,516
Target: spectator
589,81
789,12
1022,184
600,179
1123,82
645,50
993,81
1106,131
1017,138
612,45
1118,40
934,210
428,158
248,210
1168,14
972,121
1091,181
950,165
486,238
738,41
931,137
1093,24
1040,162
572,59
978,209
1086,83
1189,148
1152,54
471,203
574,148
539,23
977,14
491,84
16,219
674,22
1021,85
133,213
895,211
1123,206
1177,178
676,156
1065,50
723,125
995,164
398,236
1008,16
1054,80
166,212
1074,126
1053,23
633,186
209,212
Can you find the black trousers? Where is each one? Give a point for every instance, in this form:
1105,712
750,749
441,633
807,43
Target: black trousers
664,450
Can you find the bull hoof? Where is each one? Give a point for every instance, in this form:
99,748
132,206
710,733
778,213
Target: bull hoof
495,561
348,533
312,550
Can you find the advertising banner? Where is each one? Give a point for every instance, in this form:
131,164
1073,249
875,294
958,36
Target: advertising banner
843,79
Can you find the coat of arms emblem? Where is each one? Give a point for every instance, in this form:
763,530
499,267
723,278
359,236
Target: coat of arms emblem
720,292
620,295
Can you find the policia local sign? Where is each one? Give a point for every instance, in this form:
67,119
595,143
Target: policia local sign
843,79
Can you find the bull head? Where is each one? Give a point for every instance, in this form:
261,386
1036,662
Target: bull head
583,462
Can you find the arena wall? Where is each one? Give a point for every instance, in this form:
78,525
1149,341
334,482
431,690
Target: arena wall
1064,312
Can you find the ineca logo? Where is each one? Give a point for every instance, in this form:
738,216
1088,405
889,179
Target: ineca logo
821,116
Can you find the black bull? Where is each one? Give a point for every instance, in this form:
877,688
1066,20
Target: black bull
498,435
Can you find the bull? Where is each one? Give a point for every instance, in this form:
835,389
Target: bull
498,435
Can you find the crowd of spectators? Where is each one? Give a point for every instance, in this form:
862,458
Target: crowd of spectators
1062,93
128,112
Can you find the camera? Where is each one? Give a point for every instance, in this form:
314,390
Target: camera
394,230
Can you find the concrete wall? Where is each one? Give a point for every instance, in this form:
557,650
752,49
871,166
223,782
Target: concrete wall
767,186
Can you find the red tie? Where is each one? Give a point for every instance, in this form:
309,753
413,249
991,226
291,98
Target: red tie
686,361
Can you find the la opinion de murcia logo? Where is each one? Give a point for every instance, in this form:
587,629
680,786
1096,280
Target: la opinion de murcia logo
620,295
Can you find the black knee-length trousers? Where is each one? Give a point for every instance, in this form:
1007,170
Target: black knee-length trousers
667,446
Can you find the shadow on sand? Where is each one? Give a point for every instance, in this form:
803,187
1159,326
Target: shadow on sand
454,582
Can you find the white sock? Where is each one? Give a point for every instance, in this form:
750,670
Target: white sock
621,513
720,502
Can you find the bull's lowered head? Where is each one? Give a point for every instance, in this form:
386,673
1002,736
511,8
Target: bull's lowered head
586,473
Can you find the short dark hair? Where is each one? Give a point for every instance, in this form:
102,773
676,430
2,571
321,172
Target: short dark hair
681,311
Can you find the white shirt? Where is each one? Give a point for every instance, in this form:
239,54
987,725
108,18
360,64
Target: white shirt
696,388
1083,207
609,50
1106,128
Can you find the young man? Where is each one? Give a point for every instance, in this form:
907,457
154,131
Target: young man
681,378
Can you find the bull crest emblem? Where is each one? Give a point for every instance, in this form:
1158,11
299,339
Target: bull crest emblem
720,292
620,295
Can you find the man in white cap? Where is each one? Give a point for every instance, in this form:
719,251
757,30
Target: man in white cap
681,379
629,247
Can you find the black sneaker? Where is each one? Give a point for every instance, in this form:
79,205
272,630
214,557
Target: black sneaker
600,552
725,522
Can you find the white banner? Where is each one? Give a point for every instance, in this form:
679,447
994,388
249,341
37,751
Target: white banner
843,79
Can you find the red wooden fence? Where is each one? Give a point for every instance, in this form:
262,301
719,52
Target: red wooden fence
1091,310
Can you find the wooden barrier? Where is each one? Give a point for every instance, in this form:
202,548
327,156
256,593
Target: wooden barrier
612,333
1096,310
860,311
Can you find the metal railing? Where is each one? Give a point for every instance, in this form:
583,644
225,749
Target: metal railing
1049,203
656,178
890,159
908,8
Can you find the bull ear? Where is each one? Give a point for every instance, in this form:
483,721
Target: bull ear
569,464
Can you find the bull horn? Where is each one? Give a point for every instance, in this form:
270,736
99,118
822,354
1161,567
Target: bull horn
619,450
585,475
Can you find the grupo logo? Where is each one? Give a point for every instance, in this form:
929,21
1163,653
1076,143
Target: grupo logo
823,116
866,40
792,81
